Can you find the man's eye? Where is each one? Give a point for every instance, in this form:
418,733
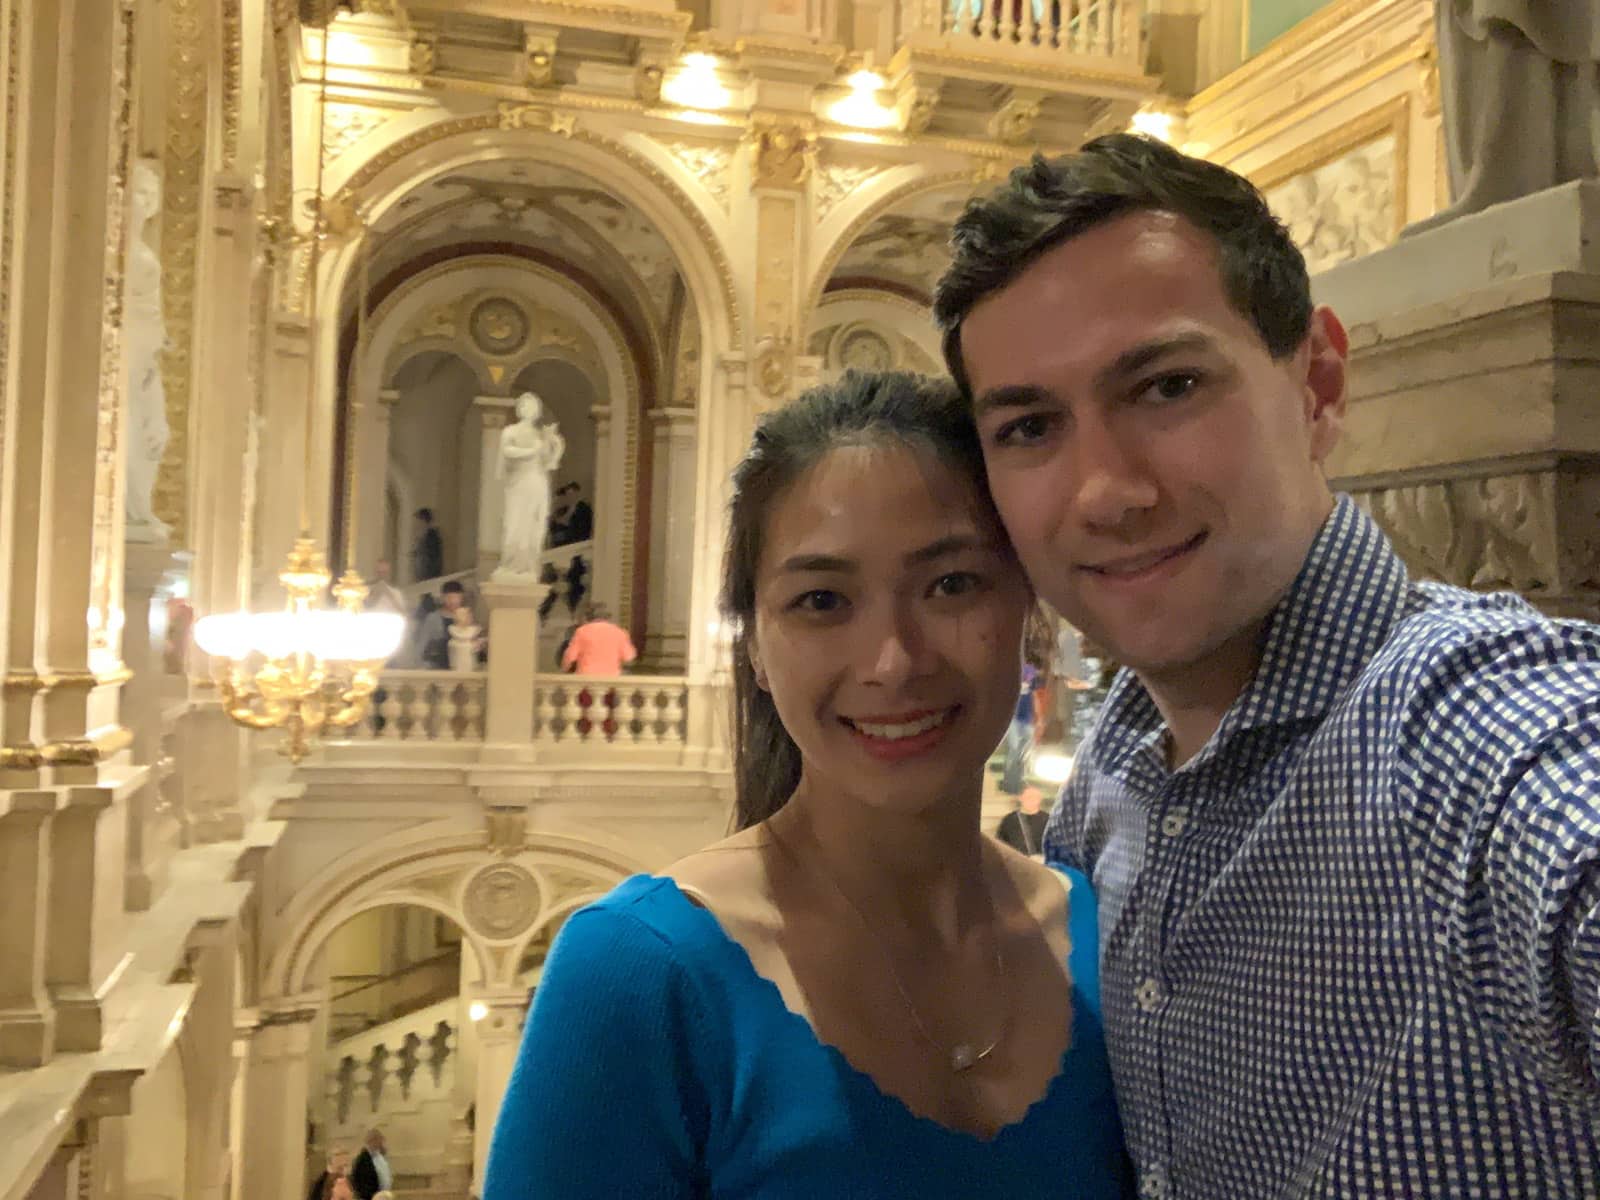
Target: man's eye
818,600
1171,387
1023,430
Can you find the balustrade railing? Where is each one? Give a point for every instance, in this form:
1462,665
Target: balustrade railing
450,706
1107,29
428,706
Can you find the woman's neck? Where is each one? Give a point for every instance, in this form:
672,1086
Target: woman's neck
914,874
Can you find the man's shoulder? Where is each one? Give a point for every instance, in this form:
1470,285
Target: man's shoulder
1449,626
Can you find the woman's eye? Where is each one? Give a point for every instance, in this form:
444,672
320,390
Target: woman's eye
818,600
1171,387
1023,430
956,583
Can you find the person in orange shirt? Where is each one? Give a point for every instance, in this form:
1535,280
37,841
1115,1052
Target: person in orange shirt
599,647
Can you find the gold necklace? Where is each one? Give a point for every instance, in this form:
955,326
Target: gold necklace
963,1056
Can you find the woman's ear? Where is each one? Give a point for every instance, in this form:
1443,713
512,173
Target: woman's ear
753,652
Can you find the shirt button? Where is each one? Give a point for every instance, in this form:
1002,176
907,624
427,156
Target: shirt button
1149,995
1153,1183
1175,822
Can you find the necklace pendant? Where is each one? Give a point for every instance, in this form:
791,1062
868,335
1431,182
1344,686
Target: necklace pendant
962,1057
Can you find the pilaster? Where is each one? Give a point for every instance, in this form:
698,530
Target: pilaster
499,1036
272,1134
27,1020
672,537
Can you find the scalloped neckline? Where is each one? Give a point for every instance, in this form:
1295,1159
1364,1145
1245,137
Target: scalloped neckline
860,1080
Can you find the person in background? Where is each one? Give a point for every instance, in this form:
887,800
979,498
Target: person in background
433,633
371,1172
427,552
580,523
599,646
1023,828
1020,733
322,1186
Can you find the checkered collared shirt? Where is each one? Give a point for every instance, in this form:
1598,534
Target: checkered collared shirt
1352,948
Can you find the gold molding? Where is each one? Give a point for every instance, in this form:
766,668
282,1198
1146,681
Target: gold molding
669,189
1284,120
1284,46
1393,117
184,142
232,56
8,198
1058,77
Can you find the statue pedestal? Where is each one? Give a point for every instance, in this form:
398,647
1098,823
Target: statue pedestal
513,660
1474,427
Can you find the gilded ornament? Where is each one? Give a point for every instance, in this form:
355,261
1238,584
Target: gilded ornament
424,54
784,156
709,163
647,81
499,327
836,181
1014,121
535,116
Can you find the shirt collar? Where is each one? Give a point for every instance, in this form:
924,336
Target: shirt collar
1338,612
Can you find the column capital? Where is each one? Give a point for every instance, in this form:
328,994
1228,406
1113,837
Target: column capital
673,417
496,412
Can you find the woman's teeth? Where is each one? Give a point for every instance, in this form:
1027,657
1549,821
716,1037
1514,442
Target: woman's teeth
895,732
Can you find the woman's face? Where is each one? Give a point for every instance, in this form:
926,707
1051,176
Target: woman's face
889,613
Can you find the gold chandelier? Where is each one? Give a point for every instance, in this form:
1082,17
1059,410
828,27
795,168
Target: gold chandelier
307,668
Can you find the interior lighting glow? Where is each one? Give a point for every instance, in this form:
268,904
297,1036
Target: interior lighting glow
1052,768
1152,124
862,106
696,84
477,1011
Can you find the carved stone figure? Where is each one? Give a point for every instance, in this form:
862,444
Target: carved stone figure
1520,83
529,452
144,337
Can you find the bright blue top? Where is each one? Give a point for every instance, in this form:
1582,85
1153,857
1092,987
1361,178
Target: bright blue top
658,1063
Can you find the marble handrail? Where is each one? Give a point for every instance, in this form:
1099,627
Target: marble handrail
1107,29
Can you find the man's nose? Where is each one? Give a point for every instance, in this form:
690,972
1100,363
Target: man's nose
1114,479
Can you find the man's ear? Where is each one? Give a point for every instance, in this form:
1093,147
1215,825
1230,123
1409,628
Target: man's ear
1326,382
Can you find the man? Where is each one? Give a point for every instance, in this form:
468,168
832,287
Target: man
371,1173
427,552
433,631
580,522
1345,827
1023,828
598,646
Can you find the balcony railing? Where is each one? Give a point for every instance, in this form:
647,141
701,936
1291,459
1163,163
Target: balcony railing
1036,29
451,706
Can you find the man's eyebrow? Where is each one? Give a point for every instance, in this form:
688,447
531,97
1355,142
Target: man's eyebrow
1011,395
1137,358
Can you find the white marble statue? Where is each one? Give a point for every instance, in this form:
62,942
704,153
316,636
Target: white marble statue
143,339
529,452
1520,85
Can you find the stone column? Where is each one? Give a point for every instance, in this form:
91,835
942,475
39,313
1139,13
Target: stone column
672,511
494,412
282,468
152,833
375,490
513,662
605,585
27,1020
86,914
499,1037
272,1133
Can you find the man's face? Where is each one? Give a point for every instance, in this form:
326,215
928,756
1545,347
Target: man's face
1158,470
382,570
452,601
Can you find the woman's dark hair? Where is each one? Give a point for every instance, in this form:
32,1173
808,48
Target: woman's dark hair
1049,201
860,409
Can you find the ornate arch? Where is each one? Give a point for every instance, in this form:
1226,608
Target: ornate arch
859,214
501,901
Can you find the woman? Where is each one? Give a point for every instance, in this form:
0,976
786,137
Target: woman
857,994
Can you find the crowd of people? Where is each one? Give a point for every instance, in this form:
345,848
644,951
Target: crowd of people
368,1177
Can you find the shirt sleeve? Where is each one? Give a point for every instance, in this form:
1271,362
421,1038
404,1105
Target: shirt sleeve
1498,784
603,1101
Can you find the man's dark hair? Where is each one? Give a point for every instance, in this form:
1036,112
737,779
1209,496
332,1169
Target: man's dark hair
425,514
1050,201
451,588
